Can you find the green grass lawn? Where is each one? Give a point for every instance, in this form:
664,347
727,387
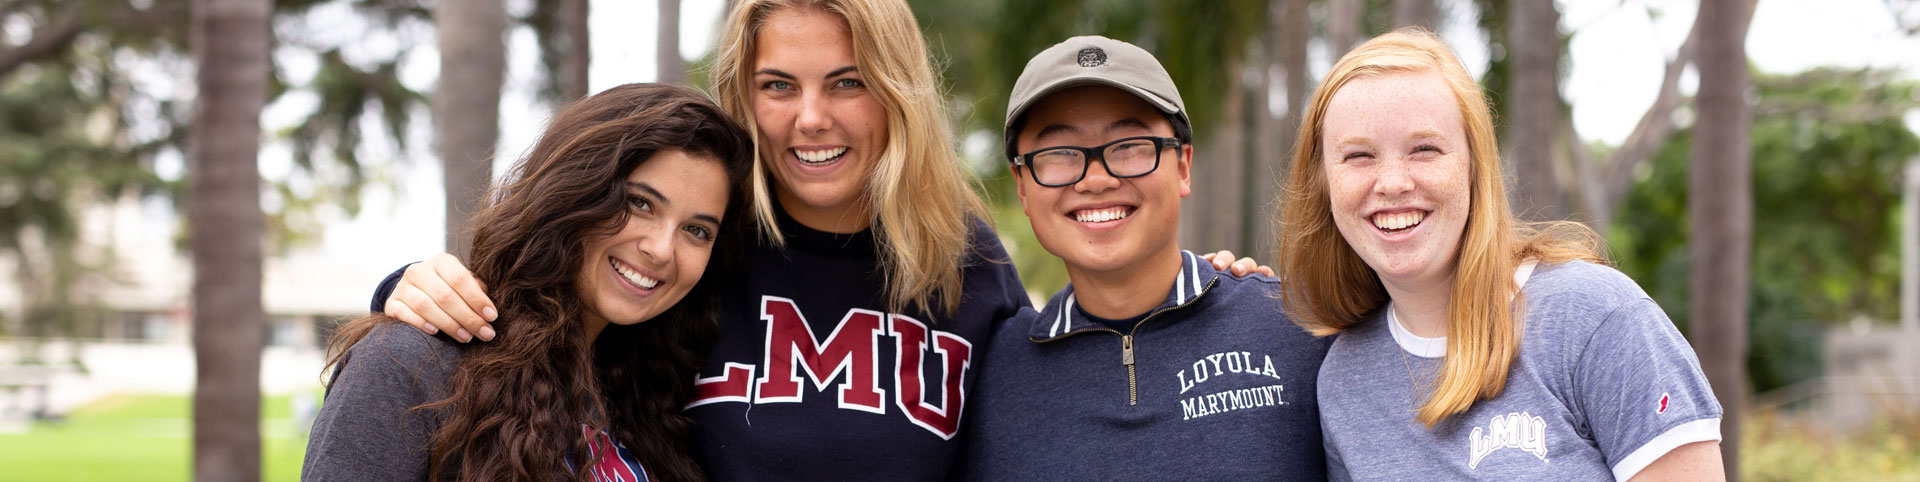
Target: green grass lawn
138,438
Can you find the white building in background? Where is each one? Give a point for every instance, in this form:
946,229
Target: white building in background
145,345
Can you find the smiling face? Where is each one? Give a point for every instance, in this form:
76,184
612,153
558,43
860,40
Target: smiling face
1396,158
821,130
1103,224
675,201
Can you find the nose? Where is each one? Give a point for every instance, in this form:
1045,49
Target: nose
1392,178
657,245
814,117
1097,179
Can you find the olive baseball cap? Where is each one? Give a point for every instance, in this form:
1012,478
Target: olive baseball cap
1092,60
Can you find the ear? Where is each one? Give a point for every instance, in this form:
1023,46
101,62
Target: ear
1019,187
1186,169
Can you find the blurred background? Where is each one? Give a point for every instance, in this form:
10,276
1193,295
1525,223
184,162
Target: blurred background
1751,164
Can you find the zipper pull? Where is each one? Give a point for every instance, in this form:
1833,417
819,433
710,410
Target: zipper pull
1126,350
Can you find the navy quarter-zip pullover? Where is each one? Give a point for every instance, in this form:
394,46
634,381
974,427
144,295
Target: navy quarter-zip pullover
1213,384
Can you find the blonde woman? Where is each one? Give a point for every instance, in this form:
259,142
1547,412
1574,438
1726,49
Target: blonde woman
1472,345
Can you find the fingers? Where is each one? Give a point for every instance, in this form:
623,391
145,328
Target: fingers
1247,266
1224,260
397,309
1221,259
474,309
424,309
438,292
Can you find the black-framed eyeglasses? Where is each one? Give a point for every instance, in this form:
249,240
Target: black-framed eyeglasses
1061,166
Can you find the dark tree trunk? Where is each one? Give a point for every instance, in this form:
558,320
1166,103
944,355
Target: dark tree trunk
1720,203
1343,26
466,107
1535,45
229,322
667,49
1418,13
1290,31
573,67
1212,215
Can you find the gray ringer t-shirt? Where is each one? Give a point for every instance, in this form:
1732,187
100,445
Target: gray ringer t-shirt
1604,385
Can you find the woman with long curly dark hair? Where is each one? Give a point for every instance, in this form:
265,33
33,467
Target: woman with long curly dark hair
612,221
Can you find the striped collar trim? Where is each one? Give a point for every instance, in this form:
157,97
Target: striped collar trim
1061,318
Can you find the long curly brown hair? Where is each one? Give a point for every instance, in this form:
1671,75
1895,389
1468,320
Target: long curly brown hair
516,405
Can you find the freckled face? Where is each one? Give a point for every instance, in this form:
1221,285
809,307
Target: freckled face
1396,157
821,130
675,201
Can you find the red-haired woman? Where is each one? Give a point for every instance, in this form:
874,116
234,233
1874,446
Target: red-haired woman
1472,345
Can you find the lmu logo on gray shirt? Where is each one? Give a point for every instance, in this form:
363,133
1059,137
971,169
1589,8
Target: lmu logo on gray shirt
1225,364
1521,430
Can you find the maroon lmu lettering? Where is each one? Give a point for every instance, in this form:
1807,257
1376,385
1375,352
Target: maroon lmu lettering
849,349
910,338
849,353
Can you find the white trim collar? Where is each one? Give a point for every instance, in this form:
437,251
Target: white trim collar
1436,347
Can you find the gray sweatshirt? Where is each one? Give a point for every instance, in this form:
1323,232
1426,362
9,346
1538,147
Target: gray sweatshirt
365,430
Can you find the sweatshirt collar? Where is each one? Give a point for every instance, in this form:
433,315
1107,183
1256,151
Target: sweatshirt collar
1062,317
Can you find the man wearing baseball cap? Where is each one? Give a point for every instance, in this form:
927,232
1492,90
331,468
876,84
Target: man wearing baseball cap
1151,364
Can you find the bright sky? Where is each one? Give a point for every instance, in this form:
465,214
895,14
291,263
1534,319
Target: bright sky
1617,53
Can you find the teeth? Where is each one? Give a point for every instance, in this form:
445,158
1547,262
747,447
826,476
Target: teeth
1101,215
820,156
636,278
1398,221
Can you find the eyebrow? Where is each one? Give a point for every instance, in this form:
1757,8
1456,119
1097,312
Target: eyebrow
662,199
659,198
1051,129
784,75
1426,134
1348,140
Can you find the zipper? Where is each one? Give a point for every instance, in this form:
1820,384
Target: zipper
1126,342
1126,356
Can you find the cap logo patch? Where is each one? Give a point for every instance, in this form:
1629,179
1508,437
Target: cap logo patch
1092,57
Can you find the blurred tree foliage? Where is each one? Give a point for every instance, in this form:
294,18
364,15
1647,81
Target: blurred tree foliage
92,93
1829,148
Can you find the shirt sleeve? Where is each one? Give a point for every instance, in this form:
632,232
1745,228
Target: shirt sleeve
385,290
365,429
1336,467
1641,389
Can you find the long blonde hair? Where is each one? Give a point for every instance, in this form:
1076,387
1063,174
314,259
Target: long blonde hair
1328,287
921,201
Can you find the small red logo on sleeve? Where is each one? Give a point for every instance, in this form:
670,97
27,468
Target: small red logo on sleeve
1663,404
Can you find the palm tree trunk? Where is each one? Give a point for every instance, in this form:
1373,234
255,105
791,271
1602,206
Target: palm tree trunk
1535,43
573,67
1417,13
229,321
1343,26
466,107
1720,204
1287,38
667,49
